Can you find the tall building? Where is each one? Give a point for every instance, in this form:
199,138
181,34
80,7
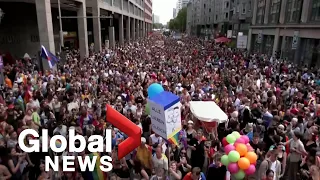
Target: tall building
181,4
241,16
287,27
222,16
174,13
200,17
216,17
148,14
121,22
155,19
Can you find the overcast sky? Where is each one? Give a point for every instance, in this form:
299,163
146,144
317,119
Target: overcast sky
164,9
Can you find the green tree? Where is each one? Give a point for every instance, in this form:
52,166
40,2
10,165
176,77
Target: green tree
172,25
157,26
179,23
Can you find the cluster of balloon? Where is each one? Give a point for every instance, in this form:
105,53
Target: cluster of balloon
153,90
240,158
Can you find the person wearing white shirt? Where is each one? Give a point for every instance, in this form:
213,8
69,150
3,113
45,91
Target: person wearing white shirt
293,90
179,88
130,106
61,129
160,160
237,103
155,139
73,105
258,83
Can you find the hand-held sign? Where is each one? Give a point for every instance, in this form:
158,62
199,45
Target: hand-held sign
126,126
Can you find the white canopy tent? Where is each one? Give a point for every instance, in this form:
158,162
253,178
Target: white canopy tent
208,111
207,114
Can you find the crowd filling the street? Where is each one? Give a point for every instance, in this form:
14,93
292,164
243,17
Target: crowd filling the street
270,103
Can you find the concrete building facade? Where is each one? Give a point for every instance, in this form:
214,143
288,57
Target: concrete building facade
181,4
289,28
241,16
85,22
174,13
155,18
216,17
200,17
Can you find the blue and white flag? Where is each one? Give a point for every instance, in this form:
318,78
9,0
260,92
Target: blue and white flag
52,59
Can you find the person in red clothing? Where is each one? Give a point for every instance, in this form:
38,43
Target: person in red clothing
196,174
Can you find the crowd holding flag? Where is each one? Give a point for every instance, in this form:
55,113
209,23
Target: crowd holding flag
52,59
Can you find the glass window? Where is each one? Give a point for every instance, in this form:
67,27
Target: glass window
243,8
315,11
288,11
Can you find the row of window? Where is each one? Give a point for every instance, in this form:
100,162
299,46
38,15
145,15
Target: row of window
137,12
147,16
148,8
245,8
149,1
293,11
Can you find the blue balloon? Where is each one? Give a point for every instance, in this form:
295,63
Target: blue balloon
154,89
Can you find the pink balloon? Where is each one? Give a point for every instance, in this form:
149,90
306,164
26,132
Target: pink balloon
239,141
249,147
233,168
228,148
251,170
245,138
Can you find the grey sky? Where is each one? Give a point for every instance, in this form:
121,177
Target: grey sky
163,8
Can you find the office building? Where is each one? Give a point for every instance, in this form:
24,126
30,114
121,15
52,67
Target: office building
216,17
181,4
155,19
174,13
84,22
287,27
240,16
200,17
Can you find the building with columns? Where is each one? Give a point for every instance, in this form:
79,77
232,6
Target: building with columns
289,28
28,24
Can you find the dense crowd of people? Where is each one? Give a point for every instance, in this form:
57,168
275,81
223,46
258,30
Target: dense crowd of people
270,100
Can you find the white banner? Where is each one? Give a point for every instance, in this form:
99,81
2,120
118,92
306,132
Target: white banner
229,34
242,42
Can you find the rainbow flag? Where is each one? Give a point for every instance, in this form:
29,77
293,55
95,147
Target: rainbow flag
97,174
175,139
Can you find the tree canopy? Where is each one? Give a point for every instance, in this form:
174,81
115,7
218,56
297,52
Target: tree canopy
157,26
179,23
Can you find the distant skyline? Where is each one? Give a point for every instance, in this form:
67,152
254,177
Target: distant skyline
164,9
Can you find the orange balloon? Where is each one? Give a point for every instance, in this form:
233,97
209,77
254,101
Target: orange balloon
242,149
243,163
252,157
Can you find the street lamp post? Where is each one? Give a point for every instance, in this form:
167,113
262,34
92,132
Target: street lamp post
60,24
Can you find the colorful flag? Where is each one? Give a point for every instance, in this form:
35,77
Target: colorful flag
175,139
97,174
52,59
